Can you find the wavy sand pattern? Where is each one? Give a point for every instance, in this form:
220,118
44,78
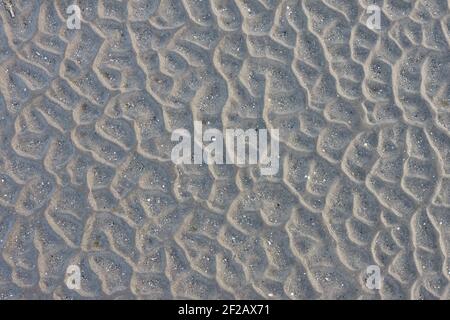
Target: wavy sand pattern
86,178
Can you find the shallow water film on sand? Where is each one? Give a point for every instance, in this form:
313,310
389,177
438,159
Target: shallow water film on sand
92,205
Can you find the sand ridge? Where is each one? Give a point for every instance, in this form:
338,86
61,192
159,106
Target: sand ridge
86,177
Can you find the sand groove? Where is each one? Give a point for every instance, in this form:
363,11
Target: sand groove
86,176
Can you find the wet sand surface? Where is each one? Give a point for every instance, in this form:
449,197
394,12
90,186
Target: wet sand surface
86,177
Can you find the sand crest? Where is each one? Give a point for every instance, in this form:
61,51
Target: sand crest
87,184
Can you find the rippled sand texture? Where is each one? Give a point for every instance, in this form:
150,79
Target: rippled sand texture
86,177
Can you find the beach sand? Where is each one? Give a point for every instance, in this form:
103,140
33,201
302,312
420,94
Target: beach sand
86,177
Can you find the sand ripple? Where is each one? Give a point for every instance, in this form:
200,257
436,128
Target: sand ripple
86,178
